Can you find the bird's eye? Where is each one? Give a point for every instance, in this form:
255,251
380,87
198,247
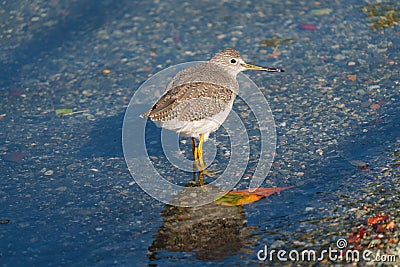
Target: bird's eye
233,61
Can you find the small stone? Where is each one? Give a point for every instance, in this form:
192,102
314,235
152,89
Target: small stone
221,36
309,209
322,11
98,229
373,87
360,92
365,104
341,105
307,27
90,117
375,106
278,244
4,221
358,163
34,19
49,172
298,243
183,217
339,57
351,63
189,53
61,188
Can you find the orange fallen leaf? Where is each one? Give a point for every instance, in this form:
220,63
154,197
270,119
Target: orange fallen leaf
377,219
391,225
381,228
237,199
353,239
265,192
352,77
356,237
241,197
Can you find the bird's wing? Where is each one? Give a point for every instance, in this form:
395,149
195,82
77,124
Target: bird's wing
190,97
199,108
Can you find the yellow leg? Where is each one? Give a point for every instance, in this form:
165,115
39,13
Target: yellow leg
195,155
201,162
198,160
201,179
194,149
202,168
275,49
200,152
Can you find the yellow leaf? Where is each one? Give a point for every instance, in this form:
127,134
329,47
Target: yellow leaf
241,197
63,111
237,199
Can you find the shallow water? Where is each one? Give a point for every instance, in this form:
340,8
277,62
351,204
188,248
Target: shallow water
66,195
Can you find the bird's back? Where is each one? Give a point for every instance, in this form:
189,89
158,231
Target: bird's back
206,73
196,101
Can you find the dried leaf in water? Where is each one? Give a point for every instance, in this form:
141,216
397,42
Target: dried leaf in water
241,197
237,199
265,192
63,111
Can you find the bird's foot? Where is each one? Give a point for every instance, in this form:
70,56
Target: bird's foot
211,174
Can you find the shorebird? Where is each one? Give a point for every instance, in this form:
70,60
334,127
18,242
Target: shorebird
198,99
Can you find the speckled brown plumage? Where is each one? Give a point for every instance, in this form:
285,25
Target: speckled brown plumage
190,102
198,99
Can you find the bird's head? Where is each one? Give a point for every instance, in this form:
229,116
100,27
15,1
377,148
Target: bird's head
231,59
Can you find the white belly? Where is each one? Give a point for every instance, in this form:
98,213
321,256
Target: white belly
195,128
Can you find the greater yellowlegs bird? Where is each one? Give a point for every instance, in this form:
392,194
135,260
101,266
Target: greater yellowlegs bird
198,99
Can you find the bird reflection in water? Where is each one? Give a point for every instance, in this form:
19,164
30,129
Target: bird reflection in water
210,231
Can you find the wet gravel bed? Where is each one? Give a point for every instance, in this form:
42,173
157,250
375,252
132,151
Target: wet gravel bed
66,195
